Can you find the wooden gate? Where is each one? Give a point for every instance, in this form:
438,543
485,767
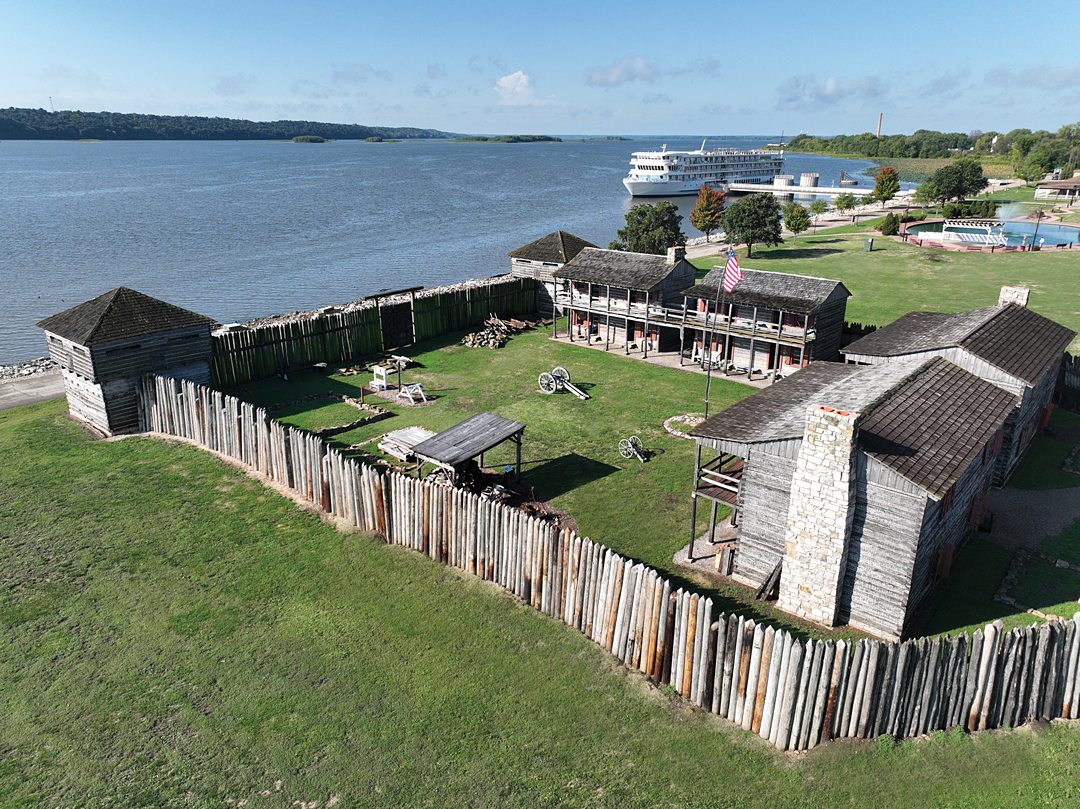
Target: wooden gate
396,324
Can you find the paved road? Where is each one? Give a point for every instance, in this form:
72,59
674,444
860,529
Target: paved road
16,392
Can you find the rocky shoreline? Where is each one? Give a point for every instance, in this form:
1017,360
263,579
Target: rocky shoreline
22,370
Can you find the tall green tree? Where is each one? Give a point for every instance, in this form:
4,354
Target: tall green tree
817,208
651,229
961,178
796,218
845,202
754,219
708,210
886,184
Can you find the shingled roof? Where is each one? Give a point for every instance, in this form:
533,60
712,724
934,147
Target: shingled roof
778,412
926,420
118,314
555,248
934,425
1013,338
801,294
637,271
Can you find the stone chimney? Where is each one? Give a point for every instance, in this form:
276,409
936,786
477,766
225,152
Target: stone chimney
1017,295
675,255
820,514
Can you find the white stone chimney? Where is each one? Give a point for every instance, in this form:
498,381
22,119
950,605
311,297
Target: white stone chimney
820,514
675,255
1017,295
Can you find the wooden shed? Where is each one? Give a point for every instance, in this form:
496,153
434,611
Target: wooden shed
1009,345
855,484
540,258
105,345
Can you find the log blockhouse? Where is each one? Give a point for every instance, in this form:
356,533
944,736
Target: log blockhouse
539,259
105,345
859,482
1009,345
773,323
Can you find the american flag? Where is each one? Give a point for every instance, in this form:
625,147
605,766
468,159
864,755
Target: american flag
732,273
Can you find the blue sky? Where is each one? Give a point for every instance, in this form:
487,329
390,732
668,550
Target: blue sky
724,66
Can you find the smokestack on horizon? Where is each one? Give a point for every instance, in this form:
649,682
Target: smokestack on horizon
880,115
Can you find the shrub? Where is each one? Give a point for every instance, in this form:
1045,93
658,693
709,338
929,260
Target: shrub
890,225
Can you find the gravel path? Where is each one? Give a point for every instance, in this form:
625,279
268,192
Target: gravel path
1023,519
29,389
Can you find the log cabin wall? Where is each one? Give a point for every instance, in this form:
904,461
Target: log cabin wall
829,321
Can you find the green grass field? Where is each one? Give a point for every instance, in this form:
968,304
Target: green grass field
571,447
897,278
174,634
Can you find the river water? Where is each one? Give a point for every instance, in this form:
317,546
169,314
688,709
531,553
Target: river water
240,229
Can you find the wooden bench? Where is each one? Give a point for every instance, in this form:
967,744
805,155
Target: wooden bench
414,393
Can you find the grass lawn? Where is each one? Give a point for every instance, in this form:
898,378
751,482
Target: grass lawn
1049,589
1065,545
897,278
917,169
965,602
1042,466
174,634
570,451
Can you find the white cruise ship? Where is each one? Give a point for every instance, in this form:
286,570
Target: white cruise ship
669,174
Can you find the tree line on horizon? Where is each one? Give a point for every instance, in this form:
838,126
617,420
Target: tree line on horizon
1031,153
17,123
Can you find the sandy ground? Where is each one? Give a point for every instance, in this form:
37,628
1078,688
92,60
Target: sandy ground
27,390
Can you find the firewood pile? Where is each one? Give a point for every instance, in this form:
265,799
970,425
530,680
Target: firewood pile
495,334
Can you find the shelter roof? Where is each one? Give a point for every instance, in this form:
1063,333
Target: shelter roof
468,439
1013,338
637,271
924,420
555,248
801,294
932,427
119,314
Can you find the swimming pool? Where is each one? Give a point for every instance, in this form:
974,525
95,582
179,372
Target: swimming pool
1016,232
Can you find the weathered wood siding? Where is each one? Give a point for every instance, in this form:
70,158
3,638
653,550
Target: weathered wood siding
541,271
1024,423
881,552
670,291
947,522
794,693
829,321
764,498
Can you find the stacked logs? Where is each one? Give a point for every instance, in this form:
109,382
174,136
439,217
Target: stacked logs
795,693
495,334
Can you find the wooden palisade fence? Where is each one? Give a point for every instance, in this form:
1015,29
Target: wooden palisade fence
264,350
795,693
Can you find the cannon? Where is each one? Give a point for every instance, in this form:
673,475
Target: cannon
559,379
632,448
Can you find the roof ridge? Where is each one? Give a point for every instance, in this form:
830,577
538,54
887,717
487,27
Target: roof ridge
994,312
901,383
112,294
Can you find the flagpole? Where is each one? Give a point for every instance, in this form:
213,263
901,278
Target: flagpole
712,322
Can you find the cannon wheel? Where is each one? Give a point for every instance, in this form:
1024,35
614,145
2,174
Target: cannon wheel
635,442
548,383
626,448
560,373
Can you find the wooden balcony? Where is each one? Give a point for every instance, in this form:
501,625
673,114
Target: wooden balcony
720,478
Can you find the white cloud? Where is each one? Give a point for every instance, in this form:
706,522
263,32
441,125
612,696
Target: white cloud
237,84
1046,77
657,98
356,72
515,89
807,93
623,70
436,70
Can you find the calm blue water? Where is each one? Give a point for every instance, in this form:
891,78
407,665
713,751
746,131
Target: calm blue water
1018,233
237,230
